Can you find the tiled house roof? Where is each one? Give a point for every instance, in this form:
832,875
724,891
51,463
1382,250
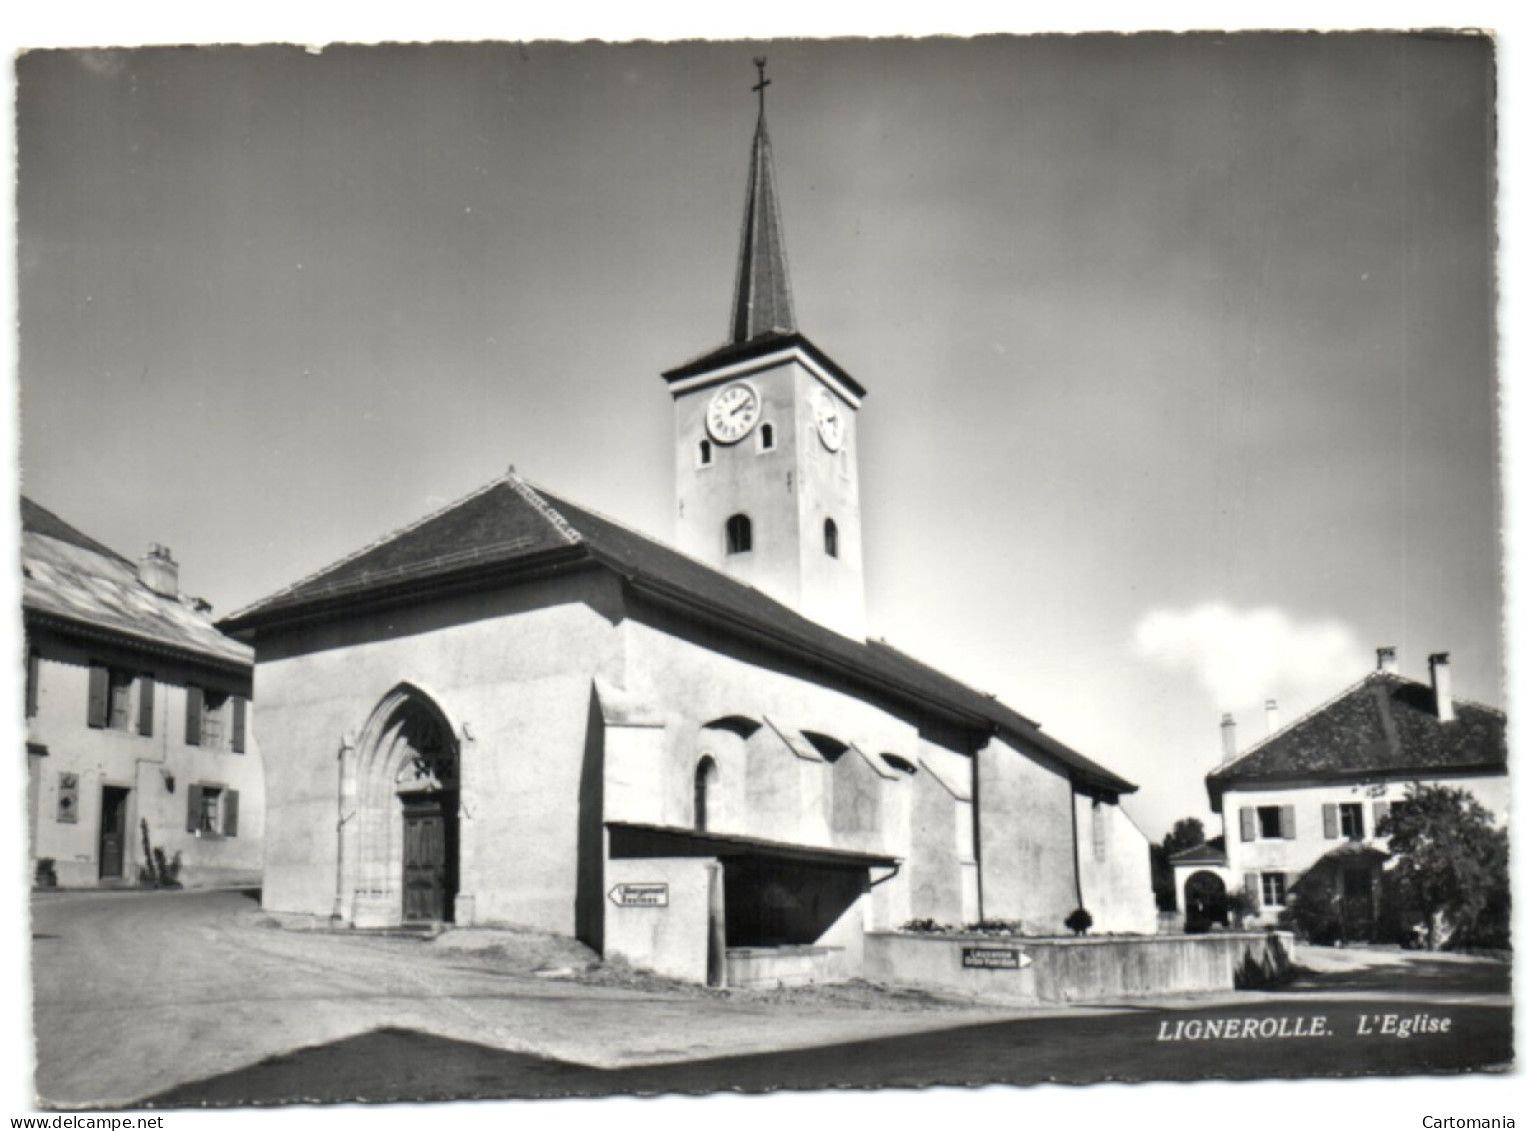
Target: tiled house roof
1382,727
72,583
509,528
1200,854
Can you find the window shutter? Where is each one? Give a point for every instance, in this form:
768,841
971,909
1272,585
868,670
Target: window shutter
193,809
240,704
1379,811
146,704
1332,823
1253,884
1247,823
100,693
33,669
193,701
230,812
1289,832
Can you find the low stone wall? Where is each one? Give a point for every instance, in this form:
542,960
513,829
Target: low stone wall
775,966
1079,969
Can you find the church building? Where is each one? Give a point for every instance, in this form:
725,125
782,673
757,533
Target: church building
520,712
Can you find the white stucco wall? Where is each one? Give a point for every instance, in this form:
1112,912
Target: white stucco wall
1027,847
1114,863
672,939
1295,855
513,674
143,764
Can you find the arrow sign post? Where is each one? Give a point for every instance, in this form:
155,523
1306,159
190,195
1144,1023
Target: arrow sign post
639,895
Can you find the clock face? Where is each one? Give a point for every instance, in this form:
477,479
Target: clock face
732,413
829,422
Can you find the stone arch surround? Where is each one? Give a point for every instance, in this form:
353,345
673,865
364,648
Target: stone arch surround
407,745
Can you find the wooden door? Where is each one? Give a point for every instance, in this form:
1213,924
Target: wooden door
429,873
113,831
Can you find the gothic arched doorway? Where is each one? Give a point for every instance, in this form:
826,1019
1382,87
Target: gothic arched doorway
1204,896
407,770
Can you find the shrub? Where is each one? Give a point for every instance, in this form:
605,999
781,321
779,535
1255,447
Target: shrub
47,874
1312,913
1079,921
925,927
997,927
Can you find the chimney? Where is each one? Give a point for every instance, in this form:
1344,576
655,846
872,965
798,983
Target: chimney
159,571
1272,721
1388,659
1227,734
1441,685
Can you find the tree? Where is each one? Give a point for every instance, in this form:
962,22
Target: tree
1186,833
1450,865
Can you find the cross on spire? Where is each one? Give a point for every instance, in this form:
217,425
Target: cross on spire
761,61
762,303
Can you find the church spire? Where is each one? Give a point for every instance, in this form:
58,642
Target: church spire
762,303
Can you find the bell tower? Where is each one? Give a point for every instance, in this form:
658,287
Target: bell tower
767,435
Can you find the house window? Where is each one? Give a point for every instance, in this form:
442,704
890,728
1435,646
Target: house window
110,704
738,534
704,789
210,820
765,437
214,706
706,453
33,669
829,537
1351,820
1393,810
215,720
1274,889
120,699
1269,822
212,811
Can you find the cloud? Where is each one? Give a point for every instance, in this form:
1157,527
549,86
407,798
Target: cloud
1242,656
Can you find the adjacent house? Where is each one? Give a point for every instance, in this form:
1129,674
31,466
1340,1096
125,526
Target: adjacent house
139,736
1307,800
519,711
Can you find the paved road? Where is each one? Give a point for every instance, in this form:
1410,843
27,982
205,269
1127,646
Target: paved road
183,999
396,1065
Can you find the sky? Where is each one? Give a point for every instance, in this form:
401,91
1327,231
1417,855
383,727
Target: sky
1181,394
1178,348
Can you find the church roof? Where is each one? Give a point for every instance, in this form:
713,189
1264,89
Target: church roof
762,303
1382,726
74,584
509,528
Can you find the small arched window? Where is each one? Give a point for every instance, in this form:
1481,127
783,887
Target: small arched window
706,454
765,437
738,534
704,790
829,538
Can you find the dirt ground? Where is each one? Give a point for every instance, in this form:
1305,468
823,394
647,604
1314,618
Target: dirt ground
139,994
136,993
